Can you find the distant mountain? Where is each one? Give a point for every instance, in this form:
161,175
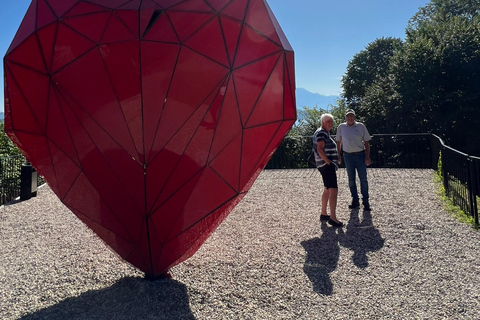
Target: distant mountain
310,99
1,116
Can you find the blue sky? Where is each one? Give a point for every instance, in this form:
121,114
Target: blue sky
324,35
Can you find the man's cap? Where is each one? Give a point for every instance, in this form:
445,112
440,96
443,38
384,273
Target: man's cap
350,111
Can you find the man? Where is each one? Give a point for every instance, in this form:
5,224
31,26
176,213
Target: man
353,138
326,159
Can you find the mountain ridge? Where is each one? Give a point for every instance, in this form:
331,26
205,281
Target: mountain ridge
306,98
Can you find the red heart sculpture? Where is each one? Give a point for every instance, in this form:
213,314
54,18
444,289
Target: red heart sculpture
150,119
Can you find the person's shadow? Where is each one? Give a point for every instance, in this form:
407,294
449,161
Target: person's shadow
322,258
129,298
361,237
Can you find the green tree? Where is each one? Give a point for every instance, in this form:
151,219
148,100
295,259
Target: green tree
7,148
368,67
429,83
437,75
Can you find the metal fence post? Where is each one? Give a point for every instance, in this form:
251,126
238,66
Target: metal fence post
472,189
444,171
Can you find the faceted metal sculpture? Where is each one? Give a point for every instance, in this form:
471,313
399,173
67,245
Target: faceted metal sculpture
150,119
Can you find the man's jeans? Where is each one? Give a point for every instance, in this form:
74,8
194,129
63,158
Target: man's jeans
352,162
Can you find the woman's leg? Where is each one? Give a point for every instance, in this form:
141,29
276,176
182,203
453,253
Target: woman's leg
333,192
325,196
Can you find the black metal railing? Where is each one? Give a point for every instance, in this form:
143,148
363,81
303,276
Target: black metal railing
461,180
386,151
10,178
460,171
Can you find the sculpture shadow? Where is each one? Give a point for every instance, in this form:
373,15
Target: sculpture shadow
322,258
361,237
129,298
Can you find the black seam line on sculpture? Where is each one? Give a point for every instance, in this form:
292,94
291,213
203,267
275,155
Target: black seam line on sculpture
66,12
41,52
187,145
263,90
286,71
266,124
74,60
63,18
173,28
199,220
153,19
209,58
53,48
12,113
71,186
264,36
235,189
149,159
105,27
153,210
119,105
258,59
268,144
126,27
155,16
26,67
241,124
222,31
201,26
211,7
94,44
57,96
186,120
65,92
225,84
147,227
215,92
240,33
195,223
131,241
214,14
93,142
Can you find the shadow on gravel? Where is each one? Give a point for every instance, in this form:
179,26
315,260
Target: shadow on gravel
361,237
129,298
322,258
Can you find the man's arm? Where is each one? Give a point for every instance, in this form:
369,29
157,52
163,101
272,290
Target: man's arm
367,153
339,149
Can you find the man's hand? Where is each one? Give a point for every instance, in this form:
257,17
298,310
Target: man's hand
367,161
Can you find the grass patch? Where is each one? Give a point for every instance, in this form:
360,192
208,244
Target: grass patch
451,207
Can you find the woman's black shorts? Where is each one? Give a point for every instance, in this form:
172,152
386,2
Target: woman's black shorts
329,176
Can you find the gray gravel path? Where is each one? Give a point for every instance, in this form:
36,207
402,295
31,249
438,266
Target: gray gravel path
270,259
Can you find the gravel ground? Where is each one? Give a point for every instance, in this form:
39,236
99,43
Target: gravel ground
270,259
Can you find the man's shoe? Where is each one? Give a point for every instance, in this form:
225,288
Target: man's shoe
335,224
355,204
366,206
324,217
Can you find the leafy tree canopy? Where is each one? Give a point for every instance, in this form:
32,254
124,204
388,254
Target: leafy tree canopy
367,67
429,83
7,148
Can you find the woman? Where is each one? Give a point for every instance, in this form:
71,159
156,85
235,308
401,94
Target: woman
326,159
